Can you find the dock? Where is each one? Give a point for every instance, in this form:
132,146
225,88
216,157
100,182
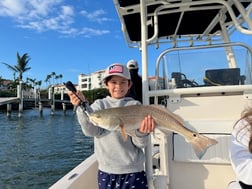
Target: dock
8,100
31,102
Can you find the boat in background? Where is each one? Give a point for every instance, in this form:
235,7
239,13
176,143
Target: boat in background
206,79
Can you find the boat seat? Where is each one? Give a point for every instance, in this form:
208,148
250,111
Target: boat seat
182,82
229,76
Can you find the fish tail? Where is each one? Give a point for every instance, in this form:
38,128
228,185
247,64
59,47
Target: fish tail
201,143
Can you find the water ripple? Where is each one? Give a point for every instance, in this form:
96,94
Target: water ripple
35,151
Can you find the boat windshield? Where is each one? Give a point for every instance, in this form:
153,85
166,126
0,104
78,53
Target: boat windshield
204,66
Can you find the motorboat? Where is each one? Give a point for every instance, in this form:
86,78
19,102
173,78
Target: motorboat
203,74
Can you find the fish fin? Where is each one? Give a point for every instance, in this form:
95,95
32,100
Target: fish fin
123,132
201,143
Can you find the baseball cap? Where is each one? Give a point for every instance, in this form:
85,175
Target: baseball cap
117,69
132,64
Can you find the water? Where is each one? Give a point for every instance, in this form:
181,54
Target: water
36,151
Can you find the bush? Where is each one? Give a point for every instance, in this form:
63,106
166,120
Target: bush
7,94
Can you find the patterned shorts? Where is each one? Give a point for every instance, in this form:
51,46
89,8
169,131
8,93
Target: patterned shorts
122,181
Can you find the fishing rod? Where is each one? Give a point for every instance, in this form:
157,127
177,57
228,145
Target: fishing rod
83,104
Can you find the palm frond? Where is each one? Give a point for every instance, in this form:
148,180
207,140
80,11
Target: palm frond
13,68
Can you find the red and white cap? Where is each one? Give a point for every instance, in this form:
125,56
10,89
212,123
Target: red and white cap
117,69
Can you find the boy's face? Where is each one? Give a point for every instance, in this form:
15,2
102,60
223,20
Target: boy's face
118,86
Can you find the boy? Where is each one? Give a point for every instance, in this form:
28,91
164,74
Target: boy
120,163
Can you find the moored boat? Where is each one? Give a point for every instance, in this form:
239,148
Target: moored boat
206,78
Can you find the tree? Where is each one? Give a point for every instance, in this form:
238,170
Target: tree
21,66
48,79
30,80
53,74
60,76
39,83
54,77
1,81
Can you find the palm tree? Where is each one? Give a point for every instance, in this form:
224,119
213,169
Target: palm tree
58,77
21,66
30,80
53,75
54,78
38,83
48,79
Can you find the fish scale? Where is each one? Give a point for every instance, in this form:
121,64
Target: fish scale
129,118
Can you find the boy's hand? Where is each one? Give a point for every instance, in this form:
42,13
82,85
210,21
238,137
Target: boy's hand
147,125
74,99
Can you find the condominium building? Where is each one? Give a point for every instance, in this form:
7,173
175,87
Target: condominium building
90,82
95,81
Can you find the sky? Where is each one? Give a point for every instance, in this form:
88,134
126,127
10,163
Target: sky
68,37
62,36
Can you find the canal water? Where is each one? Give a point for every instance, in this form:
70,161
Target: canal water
36,151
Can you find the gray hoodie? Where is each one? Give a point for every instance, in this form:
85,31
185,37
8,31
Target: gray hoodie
114,155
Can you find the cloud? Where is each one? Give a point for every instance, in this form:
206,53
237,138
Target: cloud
26,9
52,15
11,8
95,16
59,22
89,32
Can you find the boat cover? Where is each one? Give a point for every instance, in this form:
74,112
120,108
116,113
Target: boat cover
175,19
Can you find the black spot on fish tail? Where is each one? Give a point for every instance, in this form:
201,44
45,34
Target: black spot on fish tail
201,143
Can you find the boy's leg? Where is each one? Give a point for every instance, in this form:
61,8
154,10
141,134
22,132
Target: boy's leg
124,181
134,180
